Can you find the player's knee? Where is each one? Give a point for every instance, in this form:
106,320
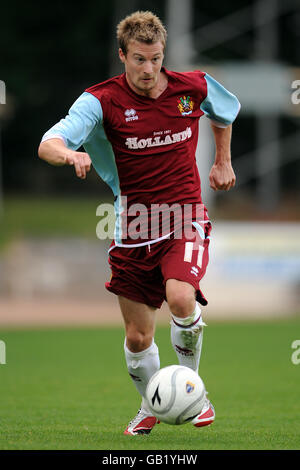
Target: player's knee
180,297
181,301
137,341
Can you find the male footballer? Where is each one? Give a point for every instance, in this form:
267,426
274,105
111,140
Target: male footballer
140,131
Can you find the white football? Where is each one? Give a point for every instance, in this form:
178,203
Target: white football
175,394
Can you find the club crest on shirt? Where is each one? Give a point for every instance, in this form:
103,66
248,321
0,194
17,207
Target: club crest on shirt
185,105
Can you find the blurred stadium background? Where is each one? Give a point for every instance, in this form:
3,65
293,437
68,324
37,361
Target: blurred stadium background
52,266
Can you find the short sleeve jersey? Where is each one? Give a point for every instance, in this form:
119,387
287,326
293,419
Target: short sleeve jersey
144,148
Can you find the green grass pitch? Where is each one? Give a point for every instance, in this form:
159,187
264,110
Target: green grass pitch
69,389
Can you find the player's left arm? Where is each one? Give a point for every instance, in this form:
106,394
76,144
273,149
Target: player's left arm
222,108
222,175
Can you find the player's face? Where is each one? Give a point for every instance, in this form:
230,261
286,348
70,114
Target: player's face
142,66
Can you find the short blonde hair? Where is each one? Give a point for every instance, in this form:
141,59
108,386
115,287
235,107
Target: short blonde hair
141,26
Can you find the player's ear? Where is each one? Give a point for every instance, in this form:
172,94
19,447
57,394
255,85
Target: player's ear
122,56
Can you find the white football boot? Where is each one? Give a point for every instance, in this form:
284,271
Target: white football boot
142,423
206,417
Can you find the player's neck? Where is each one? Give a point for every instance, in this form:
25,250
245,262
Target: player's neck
160,87
156,91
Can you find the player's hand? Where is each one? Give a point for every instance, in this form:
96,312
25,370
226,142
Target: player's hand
81,161
222,176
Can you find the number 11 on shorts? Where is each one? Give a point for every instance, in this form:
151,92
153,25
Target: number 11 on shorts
188,253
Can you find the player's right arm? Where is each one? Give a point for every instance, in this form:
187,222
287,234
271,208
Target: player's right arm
59,145
55,152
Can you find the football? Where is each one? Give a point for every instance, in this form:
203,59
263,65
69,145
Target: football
175,394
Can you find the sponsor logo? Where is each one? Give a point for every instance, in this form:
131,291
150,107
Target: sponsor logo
185,105
135,143
135,377
190,387
130,115
184,351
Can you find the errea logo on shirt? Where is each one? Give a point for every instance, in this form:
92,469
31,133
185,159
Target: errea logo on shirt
130,115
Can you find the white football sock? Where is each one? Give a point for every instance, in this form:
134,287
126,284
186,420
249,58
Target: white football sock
141,366
186,338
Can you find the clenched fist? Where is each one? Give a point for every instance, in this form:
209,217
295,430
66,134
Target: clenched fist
221,176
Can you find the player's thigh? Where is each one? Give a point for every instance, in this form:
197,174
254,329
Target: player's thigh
139,320
186,260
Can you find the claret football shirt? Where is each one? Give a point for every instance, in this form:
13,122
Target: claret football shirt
144,148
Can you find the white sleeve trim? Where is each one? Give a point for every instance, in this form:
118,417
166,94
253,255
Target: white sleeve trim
53,136
218,124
